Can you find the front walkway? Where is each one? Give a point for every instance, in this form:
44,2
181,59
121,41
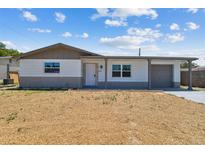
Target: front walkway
196,96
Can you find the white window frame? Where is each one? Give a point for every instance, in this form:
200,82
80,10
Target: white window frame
121,71
126,71
117,71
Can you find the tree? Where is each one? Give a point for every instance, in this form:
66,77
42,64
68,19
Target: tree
2,45
8,52
186,65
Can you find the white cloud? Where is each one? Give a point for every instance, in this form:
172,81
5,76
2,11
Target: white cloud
130,52
67,34
115,23
29,16
101,12
135,38
192,26
124,13
128,43
60,17
158,25
9,44
149,48
146,33
39,30
174,26
173,38
84,35
124,41
139,37
192,10
200,53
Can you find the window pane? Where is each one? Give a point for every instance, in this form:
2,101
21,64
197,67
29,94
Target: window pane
52,67
116,74
126,67
56,65
116,67
47,65
126,74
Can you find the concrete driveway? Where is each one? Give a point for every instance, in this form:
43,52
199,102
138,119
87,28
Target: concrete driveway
196,96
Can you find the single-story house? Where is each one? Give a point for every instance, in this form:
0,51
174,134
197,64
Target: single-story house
64,66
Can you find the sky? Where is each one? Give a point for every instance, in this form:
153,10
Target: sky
158,32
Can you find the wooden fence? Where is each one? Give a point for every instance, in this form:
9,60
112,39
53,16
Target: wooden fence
198,78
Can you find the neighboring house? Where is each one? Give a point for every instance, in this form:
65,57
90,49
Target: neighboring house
64,66
13,66
198,77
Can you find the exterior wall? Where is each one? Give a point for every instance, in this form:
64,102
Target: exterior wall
4,61
139,70
32,74
176,68
3,72
139,73
138,78
35,67
101,71
50,82
123,85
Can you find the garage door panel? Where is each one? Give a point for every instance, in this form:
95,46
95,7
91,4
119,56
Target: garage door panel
161,76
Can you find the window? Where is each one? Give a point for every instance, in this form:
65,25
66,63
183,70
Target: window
126,70
116,70
52,67
121,70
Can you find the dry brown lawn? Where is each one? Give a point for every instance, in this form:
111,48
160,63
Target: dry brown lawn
99,117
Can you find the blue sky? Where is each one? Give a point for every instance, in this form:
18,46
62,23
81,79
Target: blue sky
164,32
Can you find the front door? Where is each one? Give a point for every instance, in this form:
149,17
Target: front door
90,77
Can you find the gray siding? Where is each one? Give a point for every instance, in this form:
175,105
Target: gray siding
50,82
176,84
123,85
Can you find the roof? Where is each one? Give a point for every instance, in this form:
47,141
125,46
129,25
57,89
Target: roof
57,45
98,56
143,57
